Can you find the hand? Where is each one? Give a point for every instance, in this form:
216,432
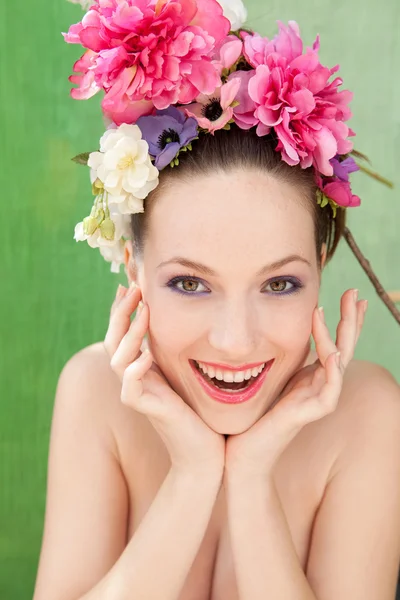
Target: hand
312,393
192,445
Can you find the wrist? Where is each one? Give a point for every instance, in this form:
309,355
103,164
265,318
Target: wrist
199,475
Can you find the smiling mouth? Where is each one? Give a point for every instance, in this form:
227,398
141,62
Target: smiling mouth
230,386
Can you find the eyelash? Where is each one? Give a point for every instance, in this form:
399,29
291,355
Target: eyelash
297,285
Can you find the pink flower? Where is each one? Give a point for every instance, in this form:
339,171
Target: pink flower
291,94
213,112
338,190
227,52
243,114
154,53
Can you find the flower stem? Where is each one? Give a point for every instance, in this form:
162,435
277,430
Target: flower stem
376,176
371,275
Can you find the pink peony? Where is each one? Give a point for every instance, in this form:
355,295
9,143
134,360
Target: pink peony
291,94
157,54
213,112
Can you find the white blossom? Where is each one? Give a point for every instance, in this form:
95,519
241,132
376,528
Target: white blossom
114,255
111,249
124,167
235,11
86,4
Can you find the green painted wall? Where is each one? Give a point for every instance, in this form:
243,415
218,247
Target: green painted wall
56,294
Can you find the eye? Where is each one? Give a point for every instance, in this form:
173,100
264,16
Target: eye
283,286
189,285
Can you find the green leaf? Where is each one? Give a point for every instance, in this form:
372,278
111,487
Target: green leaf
324,201
82,159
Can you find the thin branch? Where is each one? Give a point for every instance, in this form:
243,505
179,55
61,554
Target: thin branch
373,278
376,176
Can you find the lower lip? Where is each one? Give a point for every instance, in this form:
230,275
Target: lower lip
232,397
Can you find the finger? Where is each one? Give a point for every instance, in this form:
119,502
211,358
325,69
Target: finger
129,348
330,391
346,331
324,344
120,319
121,292
132,385
362,309
318,380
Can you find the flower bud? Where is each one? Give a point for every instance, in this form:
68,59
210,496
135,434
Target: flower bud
90,225
107,229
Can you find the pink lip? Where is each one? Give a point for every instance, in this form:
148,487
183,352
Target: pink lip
230,368
232,397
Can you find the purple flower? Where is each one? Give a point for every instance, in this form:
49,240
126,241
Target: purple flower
344,168
167,132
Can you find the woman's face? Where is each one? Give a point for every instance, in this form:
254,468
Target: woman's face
235,224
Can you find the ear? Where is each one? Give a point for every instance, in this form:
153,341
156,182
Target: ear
130,264
323,255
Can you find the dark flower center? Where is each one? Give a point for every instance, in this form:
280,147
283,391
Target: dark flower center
213,110
168,136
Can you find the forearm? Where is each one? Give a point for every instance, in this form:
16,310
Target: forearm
158,558
266,563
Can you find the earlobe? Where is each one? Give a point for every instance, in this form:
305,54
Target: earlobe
323,255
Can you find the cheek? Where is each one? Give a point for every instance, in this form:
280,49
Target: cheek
289,327
171,331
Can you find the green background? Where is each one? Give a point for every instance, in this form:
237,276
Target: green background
56,294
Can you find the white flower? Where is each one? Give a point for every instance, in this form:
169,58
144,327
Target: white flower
96,239
114,255
86,4
111,249
235,11
124,167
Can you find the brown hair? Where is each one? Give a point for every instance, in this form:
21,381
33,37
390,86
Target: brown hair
237,148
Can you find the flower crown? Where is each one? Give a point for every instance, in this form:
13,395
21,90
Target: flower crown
174,70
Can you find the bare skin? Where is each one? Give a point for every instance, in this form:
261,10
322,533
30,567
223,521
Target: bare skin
117,522
301,475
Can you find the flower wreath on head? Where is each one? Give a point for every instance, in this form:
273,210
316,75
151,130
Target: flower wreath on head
173,70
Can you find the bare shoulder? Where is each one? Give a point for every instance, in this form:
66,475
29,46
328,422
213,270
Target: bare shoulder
368,412
97,387
369,387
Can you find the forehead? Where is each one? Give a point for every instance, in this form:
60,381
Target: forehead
231,218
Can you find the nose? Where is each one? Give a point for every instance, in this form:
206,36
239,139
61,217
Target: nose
233,332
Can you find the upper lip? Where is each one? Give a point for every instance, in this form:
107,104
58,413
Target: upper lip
230,368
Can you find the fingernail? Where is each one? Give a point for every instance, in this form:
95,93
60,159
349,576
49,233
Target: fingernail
355,294
144,354
139,310
119,291
365,306
132,287
338,359
321,313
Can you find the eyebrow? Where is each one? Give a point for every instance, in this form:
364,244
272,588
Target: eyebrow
191,264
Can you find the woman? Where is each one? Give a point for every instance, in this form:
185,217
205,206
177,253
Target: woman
204,451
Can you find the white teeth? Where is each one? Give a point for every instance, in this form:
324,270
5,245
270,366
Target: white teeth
230,376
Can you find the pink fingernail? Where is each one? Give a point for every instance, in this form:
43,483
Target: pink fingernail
321,313
338,359
138,310
144,355
365,306
355,294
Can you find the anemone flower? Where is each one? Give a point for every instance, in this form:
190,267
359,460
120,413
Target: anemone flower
213,112
167,132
